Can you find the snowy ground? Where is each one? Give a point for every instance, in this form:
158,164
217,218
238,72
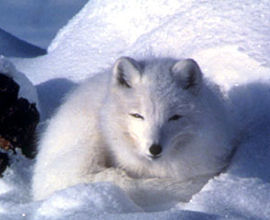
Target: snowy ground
36,21
13,47
229,39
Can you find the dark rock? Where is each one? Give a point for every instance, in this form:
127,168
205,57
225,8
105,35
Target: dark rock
4,161
6,145
18,119
8,92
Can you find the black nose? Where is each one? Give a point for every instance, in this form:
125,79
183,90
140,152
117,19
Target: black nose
155,149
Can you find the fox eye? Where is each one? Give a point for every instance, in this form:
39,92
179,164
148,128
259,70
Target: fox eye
136,115
175,117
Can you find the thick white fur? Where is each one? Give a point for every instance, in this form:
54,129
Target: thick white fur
94,138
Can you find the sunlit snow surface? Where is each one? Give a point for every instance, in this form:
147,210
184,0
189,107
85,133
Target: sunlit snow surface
229,39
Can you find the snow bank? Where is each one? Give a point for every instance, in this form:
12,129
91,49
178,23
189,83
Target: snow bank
244,190
105,30
36,21
13,47
229,39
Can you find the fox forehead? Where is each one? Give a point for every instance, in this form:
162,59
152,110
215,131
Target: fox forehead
151,101
158,95
156,92
159,85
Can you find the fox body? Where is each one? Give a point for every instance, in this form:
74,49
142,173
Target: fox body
143,125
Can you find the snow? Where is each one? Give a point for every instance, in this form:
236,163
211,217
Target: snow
36,21
13,47
229,39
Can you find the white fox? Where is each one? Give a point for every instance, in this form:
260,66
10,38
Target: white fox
155,128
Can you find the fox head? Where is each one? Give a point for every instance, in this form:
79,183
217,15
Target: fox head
150,109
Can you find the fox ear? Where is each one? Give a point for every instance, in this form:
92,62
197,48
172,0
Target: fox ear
188,75
126,72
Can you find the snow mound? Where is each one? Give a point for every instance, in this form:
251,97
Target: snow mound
244,190
105,198
105,30
36,22
13,47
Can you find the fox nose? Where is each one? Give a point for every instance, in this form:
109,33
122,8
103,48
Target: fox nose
155,149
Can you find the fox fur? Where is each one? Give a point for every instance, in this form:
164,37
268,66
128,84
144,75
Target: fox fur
156,128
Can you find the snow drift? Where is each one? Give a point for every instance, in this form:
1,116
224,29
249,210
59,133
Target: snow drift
37,22
13,47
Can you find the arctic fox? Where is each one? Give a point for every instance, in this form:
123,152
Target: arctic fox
152,127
